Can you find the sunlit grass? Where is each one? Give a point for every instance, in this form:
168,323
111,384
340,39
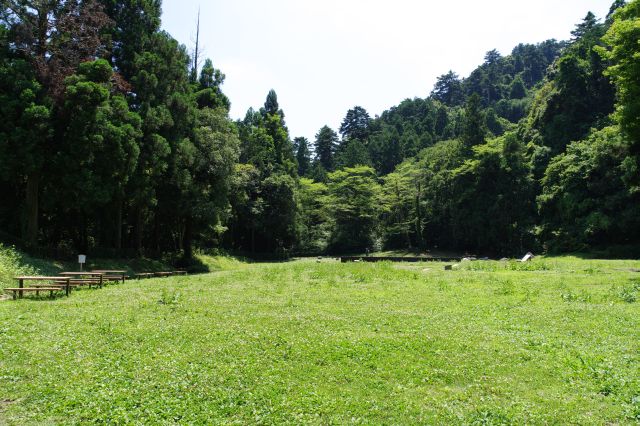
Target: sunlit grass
307,342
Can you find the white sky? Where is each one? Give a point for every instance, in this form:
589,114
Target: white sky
323,57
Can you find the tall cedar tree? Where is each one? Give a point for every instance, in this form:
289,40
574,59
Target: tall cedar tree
355,124
474,130
54,36
326,144
303,155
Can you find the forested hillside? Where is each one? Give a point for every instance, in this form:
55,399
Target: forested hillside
114,140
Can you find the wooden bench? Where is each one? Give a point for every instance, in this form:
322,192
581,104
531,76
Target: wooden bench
36,289
79,282
144,275
112,274
159,274
64,284
85,277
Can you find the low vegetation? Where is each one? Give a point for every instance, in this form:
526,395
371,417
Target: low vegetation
553,341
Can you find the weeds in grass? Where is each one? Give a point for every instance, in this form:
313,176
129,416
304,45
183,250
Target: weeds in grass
169,297
507,288
634,408
511,265
570,296
529,296
443,285
628,294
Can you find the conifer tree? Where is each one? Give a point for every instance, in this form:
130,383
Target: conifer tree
474,129
303,155
325,147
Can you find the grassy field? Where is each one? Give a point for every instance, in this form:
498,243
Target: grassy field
555,341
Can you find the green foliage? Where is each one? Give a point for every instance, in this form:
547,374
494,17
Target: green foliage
517,90
584,201
401,207
355,124
325,146
314,217
279,215
131,151
264,205
353,202
576,97
474,130
402,131
271,104
303,155
624,50
352,153
12,264
496,182
134,22
209,84
448,89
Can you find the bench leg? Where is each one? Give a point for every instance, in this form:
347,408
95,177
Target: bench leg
51,294
37,292
15,294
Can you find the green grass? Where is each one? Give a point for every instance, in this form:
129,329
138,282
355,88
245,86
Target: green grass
555,341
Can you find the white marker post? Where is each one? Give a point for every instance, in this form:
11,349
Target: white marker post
82,259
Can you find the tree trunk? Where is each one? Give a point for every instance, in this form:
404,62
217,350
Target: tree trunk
33,184
188,238
253,240
419,218
84,239
118,236
138,232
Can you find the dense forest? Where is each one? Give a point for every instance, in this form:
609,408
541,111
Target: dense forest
114,140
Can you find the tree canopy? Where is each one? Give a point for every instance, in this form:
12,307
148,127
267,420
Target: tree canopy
115,140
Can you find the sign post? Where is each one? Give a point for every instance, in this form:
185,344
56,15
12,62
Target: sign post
82,259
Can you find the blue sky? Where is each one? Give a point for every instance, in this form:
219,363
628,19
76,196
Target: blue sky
323,57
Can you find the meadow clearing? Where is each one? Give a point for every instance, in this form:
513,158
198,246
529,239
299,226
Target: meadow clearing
553,341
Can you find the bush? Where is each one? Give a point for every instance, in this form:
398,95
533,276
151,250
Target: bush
12,263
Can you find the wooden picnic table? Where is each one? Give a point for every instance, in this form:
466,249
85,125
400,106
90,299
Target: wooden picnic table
109,273
100,275
21,288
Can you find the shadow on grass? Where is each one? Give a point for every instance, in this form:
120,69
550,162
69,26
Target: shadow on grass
621,252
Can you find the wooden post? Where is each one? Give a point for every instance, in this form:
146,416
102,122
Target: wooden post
21,285
101,275
67,287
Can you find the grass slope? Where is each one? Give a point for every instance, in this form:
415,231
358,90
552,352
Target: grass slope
14,262
556,341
